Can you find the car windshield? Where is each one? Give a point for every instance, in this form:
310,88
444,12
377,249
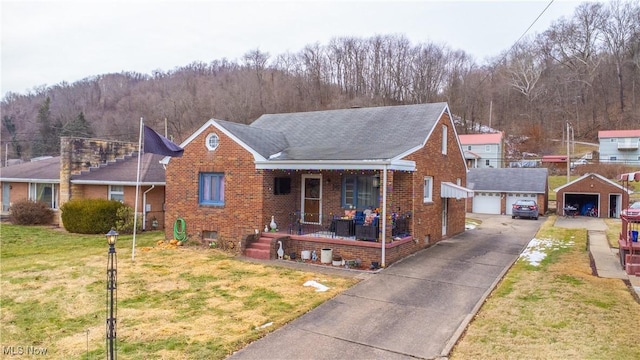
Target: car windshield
635,205
526,202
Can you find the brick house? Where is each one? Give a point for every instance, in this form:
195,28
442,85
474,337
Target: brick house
90,169
315,173
593,191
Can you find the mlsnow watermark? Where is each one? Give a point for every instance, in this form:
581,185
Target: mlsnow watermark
18,350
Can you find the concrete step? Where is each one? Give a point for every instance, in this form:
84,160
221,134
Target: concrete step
255,253
260,245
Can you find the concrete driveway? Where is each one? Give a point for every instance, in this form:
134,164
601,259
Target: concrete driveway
416,308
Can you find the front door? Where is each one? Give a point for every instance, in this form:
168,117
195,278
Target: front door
5,197
311,198
444,216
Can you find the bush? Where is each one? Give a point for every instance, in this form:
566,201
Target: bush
27,212
90,216
124,222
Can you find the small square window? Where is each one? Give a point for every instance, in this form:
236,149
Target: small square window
116,192
211,191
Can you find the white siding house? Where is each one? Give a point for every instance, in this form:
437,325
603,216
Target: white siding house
483,150
619,146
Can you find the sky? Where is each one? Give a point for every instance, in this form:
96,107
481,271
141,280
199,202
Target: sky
47,42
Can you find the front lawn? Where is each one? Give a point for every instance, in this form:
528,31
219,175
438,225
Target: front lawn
173,302
552,307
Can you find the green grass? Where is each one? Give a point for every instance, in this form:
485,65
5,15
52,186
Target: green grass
173,302
556,310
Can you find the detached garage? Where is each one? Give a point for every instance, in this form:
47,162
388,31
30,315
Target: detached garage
592,195
495,190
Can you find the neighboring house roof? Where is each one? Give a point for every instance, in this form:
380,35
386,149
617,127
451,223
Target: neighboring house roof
480,139
508,180
554,159
39,171
618,133
120,172
124,172
353,138
470,155
588,175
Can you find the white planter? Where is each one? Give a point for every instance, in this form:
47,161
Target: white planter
326,256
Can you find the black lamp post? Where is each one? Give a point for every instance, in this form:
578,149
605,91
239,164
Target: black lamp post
112,298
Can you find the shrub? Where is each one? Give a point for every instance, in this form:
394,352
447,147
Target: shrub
90,216
27,212
124,222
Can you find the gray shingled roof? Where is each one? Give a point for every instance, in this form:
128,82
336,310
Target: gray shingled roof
375,133
33,171
508,180
120,171
125,171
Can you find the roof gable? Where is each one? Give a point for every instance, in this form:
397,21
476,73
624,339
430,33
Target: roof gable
604,179
508,179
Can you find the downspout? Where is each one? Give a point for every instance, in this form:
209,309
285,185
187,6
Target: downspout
144,207
384,216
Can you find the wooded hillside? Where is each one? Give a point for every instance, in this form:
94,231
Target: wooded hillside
584,70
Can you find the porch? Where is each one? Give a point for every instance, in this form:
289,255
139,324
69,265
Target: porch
354,236
367,253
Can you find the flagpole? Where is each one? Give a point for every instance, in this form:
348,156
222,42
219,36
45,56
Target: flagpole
135,211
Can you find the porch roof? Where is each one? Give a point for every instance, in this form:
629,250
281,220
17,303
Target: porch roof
451,190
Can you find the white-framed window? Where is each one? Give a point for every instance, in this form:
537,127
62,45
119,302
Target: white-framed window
358,192
444,139
46,193
487,148
487,162
613,140
211,189
116,192
613,158
212,141
469,147
428,189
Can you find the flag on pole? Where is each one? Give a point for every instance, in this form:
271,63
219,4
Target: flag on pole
154,143
158,144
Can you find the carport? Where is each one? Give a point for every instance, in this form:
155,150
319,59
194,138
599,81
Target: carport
593,195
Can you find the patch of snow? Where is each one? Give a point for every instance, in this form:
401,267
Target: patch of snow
319,287
537,249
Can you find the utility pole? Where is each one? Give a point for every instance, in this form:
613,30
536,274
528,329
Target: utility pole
568,154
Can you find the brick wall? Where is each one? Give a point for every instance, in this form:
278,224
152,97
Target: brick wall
427,218
367,252
78,154
155,198
592,185
242,211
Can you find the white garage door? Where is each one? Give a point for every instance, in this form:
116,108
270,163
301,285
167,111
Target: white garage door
486,203
511,198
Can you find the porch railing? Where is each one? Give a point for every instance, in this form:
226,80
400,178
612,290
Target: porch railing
324,225
311,224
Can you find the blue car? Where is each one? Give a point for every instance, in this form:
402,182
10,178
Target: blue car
525,209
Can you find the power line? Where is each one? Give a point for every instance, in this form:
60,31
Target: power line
520,38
